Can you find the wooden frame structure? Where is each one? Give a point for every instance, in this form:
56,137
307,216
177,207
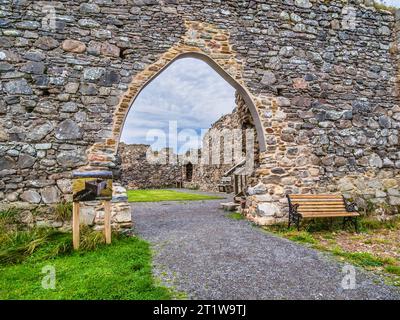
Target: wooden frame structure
106,201
76,223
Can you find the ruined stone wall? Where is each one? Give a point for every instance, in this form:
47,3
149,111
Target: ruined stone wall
321,74
207,174
139,173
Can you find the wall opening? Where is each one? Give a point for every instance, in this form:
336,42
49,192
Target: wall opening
138,172
189,172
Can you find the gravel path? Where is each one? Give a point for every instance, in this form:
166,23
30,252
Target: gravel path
210,256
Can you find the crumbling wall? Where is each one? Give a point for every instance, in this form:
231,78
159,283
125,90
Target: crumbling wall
139,172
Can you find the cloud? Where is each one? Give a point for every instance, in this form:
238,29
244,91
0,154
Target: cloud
188,92
395,3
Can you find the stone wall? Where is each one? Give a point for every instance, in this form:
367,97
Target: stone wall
319,78
139,172
91,213
207,174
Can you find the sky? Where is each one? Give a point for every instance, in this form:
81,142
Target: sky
188,92
395,3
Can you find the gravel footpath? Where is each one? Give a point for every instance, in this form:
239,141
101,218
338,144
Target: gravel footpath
200,251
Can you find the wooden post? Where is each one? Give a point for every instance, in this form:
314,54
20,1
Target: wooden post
75,225
107,221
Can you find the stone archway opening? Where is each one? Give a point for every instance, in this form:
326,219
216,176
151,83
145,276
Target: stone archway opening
152,72
229,144
188,172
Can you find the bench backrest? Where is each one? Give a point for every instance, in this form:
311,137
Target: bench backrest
314,204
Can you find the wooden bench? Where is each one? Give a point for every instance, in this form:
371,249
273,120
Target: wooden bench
320,206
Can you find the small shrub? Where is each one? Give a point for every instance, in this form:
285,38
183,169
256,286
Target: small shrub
370,208
367,224
90,239
278,228
18,245
301,236
393,269
363,259
63,211
235,216
9,216
45,243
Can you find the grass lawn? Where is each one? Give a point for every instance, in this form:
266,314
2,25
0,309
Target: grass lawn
121,270
235,216
375,248
156,195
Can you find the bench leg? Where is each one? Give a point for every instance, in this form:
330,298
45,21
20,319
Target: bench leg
344,222
298,222
355,220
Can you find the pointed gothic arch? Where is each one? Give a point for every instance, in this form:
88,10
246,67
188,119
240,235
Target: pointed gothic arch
123,110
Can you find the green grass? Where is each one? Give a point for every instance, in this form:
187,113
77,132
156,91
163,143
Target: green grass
365,224
393,269
121,270
156,195
9,216
369,225
235,216
63,211
362,259
302,237
43,243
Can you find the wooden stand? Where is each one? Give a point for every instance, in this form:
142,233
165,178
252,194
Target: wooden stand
107,221
75,223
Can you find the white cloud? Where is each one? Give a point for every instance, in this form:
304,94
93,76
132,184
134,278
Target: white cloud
189,92
394,3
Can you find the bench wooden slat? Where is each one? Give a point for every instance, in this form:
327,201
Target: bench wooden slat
319,204
321,209
328,214
316,203
316,200
315,196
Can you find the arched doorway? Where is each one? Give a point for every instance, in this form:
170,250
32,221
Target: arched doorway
188,172
123,109
188,96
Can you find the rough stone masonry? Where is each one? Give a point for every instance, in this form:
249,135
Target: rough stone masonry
319,77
